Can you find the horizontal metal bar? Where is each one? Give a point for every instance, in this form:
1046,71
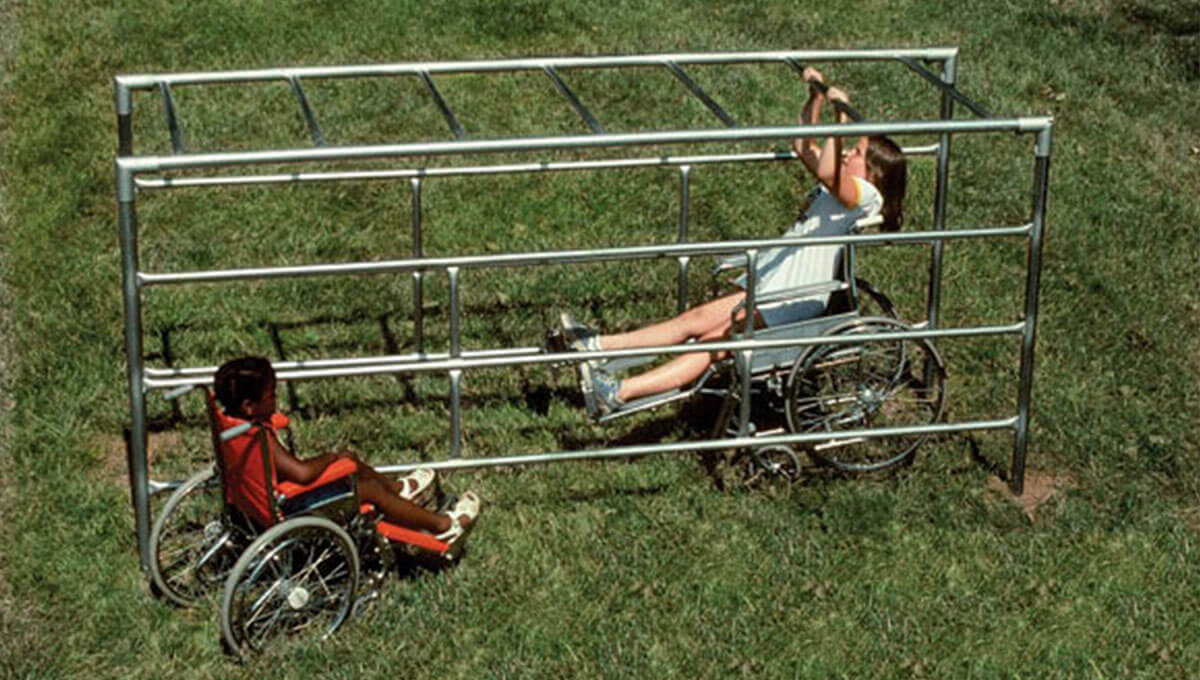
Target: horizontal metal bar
502,169
673,448
945,87
147,80
698,446
566,256
543,358
208,371
571,142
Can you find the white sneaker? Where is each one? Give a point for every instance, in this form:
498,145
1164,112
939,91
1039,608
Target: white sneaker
579,337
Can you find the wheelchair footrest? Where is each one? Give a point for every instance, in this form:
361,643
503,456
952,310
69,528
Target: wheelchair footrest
644,403
420,539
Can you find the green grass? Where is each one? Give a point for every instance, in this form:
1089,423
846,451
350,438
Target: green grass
634,569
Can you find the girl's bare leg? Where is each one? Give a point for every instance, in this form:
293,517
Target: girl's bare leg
686,368
696,322
680,371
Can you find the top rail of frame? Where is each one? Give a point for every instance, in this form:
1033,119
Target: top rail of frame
139,164
916,59
149,80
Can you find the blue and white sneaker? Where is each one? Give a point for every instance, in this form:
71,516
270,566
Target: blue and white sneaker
605,389
599,391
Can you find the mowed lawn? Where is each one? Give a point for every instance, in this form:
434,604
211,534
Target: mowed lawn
620,569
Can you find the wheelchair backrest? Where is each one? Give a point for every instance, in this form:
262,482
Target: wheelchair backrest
246,464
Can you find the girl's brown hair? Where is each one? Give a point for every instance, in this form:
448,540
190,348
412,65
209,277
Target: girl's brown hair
242,380
888,171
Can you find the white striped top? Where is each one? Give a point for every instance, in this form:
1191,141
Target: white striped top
791,267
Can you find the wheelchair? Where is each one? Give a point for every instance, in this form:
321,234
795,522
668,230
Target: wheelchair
814,388
287,558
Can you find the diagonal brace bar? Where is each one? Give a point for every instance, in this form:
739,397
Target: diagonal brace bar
569,95
701,94
306,109
442,106
945,87
172,119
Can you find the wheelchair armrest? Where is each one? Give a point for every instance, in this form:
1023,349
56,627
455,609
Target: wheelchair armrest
801,292
335,471
862,224
340,492
787,294
729,263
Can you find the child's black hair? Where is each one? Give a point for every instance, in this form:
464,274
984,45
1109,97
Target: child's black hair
241,380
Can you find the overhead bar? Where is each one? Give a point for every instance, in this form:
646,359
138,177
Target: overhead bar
306,110
945,87
701,94
442,106
569,95
845,108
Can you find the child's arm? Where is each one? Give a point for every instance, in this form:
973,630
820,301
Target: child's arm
829,168
806,147
290,468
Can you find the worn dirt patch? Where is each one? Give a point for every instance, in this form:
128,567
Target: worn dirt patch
1041,486
113,465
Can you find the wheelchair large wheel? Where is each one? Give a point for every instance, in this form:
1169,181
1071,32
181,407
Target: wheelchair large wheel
300,576
871,301
869,384
192,546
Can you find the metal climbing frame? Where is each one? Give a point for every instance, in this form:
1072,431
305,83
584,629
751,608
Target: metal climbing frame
935,66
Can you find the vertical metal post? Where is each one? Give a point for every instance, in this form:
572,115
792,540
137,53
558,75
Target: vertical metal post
124,102
418,280
1033,274
746,358
684,203
455,375
933,302
138,466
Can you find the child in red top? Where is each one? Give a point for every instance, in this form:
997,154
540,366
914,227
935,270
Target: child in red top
245,388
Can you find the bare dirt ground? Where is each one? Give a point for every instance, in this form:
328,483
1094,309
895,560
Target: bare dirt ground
1041,487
